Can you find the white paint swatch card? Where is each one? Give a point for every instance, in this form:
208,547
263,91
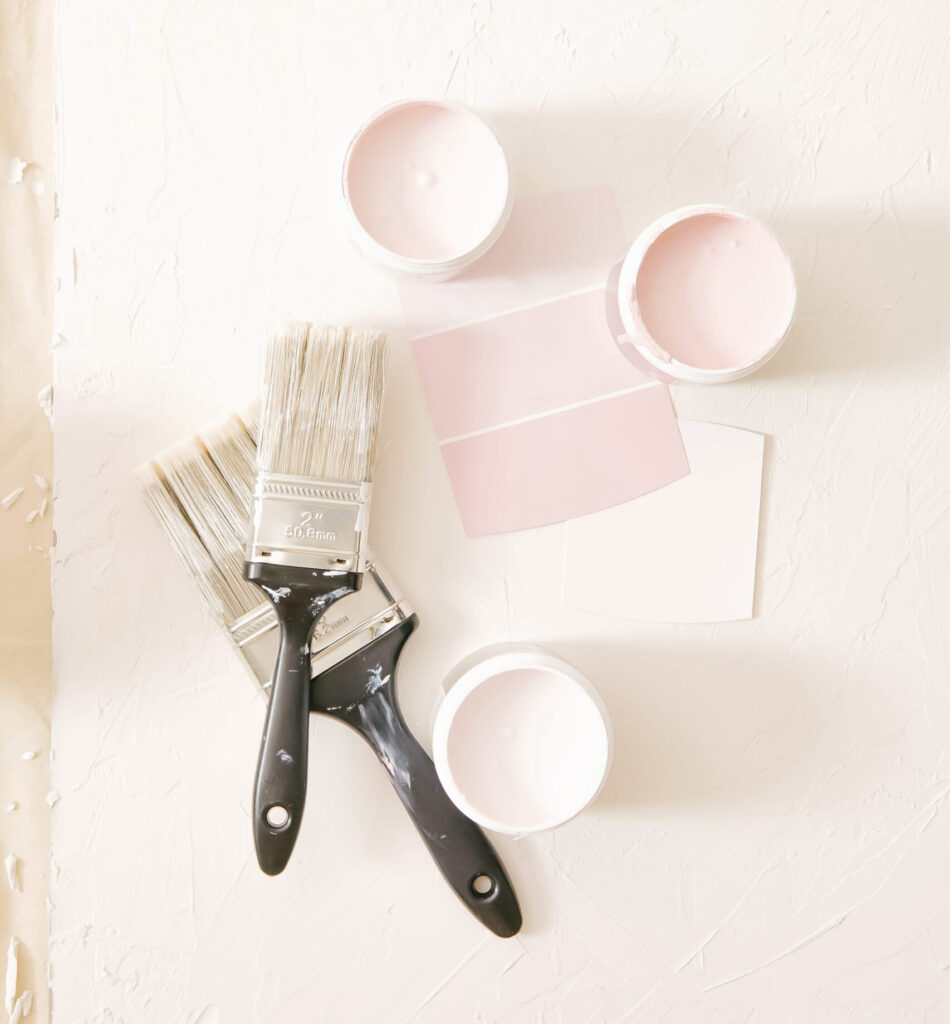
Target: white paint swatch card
683,553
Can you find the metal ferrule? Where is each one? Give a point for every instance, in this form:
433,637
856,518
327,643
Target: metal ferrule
313,524
348,626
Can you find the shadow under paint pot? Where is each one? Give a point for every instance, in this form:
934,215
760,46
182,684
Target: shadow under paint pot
522,742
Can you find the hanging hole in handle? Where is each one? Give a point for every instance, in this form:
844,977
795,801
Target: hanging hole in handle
277,817
483,886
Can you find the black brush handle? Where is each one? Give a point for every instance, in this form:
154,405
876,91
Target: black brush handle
461,850
300,597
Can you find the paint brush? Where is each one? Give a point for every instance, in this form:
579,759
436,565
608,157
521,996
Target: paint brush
201,493
323,389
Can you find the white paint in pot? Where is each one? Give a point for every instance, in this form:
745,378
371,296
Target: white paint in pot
426,188
521,741
707,295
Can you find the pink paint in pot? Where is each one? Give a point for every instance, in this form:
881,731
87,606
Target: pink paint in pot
521,742
427,186
707,294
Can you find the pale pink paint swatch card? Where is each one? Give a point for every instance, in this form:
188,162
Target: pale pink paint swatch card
555,243
540,417
550,468
521,364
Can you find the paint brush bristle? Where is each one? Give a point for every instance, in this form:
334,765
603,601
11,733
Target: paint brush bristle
232,447
323,391
201,493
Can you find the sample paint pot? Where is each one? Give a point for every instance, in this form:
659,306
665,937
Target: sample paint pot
521,742
426,188
706,294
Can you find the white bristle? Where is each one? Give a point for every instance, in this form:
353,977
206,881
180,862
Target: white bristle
233,450
200,492
323,391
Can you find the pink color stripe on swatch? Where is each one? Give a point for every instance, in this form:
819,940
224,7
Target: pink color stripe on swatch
521,364
553,244
567,464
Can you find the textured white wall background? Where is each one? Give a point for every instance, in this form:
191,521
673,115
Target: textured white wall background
773,843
